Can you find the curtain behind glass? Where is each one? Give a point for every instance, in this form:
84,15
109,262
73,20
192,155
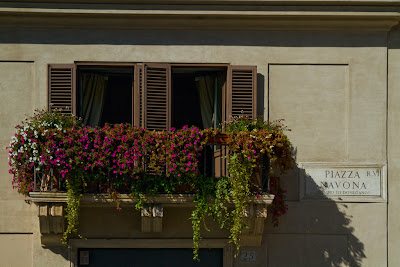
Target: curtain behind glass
205,88
219,83
94,88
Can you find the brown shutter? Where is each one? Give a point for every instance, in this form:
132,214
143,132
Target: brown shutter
157,96
62,87
138,97
241,91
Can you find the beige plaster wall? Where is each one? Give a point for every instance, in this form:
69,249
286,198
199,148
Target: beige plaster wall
331,88
16,250
394,148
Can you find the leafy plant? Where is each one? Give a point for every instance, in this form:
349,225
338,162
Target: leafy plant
72,210
254,138
143,162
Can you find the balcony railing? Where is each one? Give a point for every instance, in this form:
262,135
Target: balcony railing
213,162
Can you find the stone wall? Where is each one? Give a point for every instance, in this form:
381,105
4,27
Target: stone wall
330,86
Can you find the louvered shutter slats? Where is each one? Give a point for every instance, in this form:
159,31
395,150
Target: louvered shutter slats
61,88
242,89
157,97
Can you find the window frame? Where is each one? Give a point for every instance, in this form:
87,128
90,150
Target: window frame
137,111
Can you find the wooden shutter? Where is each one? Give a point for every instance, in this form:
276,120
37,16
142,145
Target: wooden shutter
157,96
138,97
62,87
241,93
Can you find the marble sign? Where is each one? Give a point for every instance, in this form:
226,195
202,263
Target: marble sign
331,180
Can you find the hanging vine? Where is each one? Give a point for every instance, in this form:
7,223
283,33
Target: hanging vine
143,162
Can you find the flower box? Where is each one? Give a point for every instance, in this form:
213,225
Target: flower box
218,139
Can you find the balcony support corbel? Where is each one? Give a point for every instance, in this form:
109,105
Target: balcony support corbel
152,215
255,216
51,218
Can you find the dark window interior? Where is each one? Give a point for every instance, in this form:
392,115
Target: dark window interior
186,106
117,99
185,101
113,103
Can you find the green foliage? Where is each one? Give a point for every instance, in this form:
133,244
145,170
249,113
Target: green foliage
73,205
144,162
246,124
240,171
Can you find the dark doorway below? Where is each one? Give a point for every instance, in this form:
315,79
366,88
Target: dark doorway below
155,257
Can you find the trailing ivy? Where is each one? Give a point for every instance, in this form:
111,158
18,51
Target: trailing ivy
143,162
72,210
240,171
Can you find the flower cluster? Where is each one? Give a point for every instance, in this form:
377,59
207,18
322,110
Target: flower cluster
278,207
117,152
250,139
140,161
28,148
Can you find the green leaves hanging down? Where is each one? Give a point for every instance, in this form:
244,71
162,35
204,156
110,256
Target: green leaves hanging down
73,205
142,162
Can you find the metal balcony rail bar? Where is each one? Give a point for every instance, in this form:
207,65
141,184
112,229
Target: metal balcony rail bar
213,162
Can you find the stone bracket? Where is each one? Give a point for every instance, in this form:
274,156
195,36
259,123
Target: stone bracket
152,215
51,218
255,216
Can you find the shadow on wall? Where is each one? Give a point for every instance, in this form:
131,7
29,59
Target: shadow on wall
193,37
315,232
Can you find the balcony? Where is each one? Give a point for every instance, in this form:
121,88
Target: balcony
63,166
49,193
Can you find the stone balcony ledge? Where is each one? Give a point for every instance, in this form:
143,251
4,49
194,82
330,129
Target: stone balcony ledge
168,200
51,211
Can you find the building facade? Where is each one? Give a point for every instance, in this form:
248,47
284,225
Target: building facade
329,68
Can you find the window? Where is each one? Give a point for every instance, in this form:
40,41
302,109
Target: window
153,96
156,97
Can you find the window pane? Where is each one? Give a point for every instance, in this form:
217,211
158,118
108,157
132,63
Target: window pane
105,95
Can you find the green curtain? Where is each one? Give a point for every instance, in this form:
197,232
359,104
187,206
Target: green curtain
205,88
94,88
209,89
